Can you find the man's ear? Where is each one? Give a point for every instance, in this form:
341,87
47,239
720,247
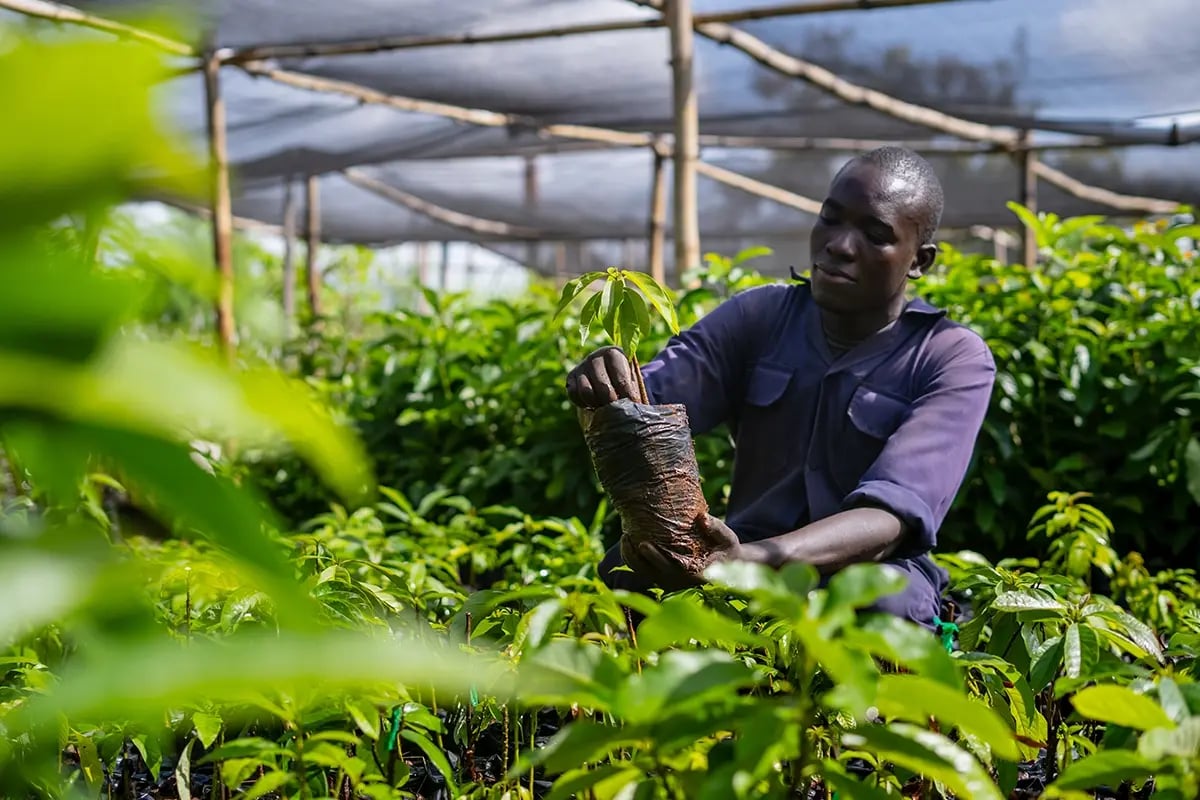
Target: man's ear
926,255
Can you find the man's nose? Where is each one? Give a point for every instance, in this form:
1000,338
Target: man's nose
840,247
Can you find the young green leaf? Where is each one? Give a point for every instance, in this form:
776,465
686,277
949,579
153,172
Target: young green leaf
916,699
604,781
269,782
927,753
208,727
572,289
580,742
1046,665
587,315
683,618
658,297
611,298
633,321
1107,768
1031,222
1121,706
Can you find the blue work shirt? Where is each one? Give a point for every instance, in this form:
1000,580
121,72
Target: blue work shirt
891,423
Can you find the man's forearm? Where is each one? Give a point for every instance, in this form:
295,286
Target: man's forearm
850,537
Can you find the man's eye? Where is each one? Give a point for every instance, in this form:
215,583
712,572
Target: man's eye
879,238
827,218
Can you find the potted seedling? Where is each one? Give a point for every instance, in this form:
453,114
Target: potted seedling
642,452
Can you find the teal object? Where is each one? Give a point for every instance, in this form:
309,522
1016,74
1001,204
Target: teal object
397,718
946,630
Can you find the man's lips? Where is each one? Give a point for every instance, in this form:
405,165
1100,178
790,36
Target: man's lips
834,273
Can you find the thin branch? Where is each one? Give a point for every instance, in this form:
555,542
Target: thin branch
382,44
457,219
473,116
390,43
61,13
757,187
802,9
204,213
1095,194
843,89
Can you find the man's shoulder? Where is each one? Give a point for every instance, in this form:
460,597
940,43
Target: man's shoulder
955,338
769,299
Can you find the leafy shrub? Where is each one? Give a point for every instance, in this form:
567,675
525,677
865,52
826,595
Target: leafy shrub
1098,383
1098,387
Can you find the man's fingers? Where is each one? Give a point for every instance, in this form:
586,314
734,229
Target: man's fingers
715,532
620,374
655,559
602,386
587,393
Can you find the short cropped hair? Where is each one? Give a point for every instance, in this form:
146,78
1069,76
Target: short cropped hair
929,201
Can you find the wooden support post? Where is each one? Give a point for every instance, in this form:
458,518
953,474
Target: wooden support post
289,253
687,132
222,205
1028,196
560,264
657,234
444,269
531,202
313,228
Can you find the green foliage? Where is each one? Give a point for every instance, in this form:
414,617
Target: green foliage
405,643
1098,382
621,305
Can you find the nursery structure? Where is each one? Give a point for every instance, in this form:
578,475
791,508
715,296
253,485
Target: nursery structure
570,134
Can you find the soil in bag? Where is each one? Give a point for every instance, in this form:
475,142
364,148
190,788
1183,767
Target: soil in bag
646,462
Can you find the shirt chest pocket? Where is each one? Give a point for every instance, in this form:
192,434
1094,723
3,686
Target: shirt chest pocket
768,423
871,419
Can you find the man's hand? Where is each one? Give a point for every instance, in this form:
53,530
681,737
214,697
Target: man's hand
601,378
667,572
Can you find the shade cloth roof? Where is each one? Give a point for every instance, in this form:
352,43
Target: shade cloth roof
1098,68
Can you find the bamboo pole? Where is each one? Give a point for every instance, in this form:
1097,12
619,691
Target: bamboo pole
239,223
1095,194
531,202
289,253
457,219
444,268
392,43
757,187
687,129
313,229
1028,198
473,116
56,12
711,27
658,216
843,89
222,205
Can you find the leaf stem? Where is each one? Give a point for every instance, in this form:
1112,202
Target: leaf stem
641,382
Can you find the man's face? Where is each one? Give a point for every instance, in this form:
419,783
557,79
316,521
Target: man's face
866,242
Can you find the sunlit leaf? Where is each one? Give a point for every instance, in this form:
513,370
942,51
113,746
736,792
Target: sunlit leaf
915,698
658,297
102,87
927,753
683,618
208,727
1121,706
1107,768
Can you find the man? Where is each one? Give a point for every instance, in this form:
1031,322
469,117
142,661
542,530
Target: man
854,410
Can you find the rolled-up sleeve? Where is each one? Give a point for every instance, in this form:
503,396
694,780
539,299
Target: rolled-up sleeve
702,368
923,464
